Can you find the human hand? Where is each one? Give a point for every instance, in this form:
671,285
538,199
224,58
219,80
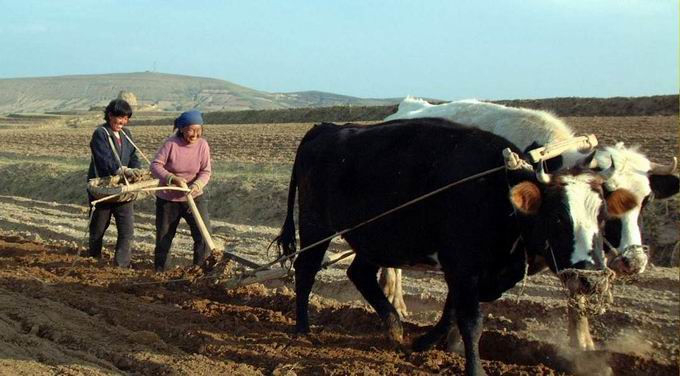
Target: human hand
178,181
195,189
122,171
131,173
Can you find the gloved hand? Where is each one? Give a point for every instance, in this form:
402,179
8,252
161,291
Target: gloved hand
122,171
177,181
135,173
195,188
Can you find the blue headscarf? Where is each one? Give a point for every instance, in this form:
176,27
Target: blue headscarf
188,118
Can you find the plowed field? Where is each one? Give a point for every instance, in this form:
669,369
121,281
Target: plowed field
65,314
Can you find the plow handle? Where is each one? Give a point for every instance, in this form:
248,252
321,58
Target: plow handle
199,220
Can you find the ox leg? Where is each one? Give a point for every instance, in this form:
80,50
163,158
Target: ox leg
390,281
579,329
442,328
469,318
364,277
307,265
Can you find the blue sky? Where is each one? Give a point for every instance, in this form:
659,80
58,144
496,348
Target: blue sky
449,49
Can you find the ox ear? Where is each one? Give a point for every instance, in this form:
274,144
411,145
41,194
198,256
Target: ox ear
619,202
526,197
664,186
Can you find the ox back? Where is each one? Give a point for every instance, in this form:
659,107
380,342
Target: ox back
348,174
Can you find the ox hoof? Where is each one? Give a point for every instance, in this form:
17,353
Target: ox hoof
454,342
301,331
400,307
425,342
395,331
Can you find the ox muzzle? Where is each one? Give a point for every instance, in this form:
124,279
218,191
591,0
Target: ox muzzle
633,260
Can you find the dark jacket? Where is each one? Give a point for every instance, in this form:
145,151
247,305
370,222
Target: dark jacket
103,157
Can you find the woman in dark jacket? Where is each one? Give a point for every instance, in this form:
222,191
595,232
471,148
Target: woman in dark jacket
112,154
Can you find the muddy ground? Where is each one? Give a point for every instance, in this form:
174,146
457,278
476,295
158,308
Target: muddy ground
65,314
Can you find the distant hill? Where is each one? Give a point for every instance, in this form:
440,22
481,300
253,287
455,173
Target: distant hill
155,91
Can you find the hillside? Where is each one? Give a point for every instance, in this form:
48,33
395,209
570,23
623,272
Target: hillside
154,91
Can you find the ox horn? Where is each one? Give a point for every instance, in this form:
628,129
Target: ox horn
609,172
541,175
659,169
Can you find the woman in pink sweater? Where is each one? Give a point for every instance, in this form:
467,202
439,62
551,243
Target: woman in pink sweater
184,158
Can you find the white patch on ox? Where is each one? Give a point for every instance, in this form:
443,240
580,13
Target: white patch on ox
521,126
584,206
630,173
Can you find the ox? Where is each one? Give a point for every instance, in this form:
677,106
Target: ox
347,174
622,168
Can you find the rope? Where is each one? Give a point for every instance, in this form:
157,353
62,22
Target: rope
115,154
526,268
593,301
608,244
283,258
136,148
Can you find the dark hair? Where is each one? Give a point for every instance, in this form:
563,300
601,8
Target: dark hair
117,107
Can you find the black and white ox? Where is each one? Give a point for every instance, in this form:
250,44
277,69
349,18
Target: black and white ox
622,168
346,174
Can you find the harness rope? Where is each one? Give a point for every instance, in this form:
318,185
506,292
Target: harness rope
284,258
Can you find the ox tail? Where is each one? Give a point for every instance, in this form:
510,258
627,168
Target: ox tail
285,242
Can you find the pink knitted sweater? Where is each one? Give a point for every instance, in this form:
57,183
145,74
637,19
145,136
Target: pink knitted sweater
179,158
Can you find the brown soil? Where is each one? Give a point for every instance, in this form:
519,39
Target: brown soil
72,315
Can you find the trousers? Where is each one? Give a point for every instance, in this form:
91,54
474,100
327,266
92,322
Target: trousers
168,215
101,219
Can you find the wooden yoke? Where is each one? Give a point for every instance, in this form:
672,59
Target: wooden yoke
583,144
199,220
